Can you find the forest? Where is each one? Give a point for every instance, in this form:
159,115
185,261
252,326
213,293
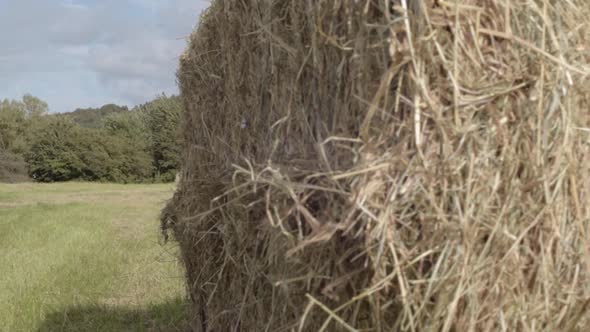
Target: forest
107,144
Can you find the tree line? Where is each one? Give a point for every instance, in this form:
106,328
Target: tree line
110,144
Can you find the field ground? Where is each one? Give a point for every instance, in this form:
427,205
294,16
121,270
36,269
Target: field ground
87,257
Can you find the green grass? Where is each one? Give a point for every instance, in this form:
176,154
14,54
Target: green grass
87,257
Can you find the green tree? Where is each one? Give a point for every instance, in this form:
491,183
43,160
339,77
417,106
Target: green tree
107,144
61,150
162,120
93,117
12,123
34,106
16,121
130,124
54,154
129,139
12,168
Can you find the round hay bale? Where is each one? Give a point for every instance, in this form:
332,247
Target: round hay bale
386,166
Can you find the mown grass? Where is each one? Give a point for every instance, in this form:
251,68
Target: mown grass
87,257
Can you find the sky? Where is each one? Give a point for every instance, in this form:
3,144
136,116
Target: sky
87,53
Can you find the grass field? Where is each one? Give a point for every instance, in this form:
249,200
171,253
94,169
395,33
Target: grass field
87,257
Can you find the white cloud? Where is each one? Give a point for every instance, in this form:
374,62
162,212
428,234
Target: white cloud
131,48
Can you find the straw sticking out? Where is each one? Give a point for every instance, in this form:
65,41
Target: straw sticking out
386,166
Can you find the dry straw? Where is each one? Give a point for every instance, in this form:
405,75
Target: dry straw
377,165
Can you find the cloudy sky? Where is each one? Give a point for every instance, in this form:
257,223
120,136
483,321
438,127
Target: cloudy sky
86,53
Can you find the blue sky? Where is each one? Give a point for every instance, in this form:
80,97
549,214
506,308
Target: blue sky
87,53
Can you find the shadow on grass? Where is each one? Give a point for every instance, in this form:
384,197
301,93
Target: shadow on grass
169,316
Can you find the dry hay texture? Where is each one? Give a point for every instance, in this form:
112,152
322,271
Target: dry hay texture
386,166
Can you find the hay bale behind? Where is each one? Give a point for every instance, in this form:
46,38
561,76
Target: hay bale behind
369,165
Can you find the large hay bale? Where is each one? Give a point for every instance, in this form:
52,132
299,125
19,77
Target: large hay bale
381,166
